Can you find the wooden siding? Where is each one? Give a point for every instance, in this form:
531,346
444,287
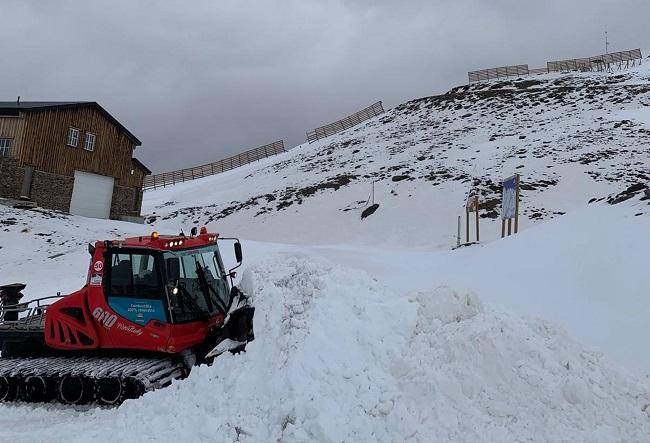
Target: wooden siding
45,144
13,128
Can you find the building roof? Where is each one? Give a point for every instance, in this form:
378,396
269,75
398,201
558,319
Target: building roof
139,164
14,107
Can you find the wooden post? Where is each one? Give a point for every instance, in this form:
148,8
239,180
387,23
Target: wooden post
517,204
466,224
503,228
477,220
509,226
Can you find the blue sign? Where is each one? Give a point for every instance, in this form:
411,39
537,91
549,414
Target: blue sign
509,201
510,183
138,310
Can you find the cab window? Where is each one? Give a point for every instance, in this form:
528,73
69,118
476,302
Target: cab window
134,275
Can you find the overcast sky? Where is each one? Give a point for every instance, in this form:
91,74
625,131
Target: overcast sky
197,81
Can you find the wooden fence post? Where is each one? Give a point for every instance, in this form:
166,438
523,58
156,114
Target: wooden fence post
477,220
466,224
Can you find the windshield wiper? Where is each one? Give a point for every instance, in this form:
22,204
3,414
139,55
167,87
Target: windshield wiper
194,306
208,290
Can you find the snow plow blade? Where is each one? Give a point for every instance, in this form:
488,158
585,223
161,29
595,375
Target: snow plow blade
236,332
239,324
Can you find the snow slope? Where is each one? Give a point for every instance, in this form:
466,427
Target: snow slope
572,137
586,271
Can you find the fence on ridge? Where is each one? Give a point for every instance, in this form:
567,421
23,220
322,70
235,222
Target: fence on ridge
183,175
601,62
346,123
495,73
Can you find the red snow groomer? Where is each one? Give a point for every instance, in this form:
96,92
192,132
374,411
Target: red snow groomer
152,308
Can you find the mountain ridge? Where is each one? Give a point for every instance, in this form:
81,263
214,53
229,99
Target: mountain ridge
569,136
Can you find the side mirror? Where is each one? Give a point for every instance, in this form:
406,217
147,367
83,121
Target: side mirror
238,253
91,249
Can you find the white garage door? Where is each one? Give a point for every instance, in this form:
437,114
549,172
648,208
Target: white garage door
91,195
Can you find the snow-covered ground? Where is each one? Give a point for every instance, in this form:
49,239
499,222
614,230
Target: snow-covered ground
339,357
376,330
359,343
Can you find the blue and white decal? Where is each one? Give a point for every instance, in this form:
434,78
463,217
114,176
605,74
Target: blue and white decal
138,310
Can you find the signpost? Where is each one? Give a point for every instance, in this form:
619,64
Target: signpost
510,204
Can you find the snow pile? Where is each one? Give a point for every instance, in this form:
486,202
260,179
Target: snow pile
339,357
471,374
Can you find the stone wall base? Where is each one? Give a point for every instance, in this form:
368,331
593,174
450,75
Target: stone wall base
54,191
127,202
11,178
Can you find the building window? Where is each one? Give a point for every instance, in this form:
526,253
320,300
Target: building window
5,147
73,137
89,142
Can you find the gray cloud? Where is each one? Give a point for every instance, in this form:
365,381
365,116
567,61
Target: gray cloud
200,80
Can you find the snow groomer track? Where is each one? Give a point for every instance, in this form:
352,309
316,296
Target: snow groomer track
107,381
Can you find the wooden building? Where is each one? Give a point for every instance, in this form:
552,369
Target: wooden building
71,156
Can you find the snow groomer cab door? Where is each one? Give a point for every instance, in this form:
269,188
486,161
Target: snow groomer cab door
132,314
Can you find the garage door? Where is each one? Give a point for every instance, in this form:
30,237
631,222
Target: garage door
91,195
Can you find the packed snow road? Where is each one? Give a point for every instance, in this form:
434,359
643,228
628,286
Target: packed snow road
359,343
340,357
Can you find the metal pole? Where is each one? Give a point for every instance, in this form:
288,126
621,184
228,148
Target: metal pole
517,205
458,234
